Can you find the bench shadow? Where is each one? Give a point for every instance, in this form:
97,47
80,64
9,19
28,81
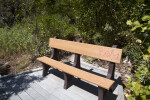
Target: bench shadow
84,85
15,84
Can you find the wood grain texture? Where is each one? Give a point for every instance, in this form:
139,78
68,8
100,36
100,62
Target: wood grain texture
100,52
98,80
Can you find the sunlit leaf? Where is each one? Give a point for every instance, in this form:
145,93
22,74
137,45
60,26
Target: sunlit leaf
130,98
138,41
136,93
143,29
146,17
134,28
149,22
129,22
145,57
136,23
143,97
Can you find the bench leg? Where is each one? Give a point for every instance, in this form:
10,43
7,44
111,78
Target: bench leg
101,93
67,80
45,69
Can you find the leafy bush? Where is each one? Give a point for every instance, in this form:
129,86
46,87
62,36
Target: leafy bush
139,84
100,22
18,39
56,25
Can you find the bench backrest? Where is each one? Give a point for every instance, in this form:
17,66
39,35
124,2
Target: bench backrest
100,52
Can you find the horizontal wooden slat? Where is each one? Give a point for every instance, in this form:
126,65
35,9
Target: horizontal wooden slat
100,81
100,52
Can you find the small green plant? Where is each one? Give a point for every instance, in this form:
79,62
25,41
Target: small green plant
90,59
23,65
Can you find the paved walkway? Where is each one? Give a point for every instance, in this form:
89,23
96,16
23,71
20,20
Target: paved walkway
30,85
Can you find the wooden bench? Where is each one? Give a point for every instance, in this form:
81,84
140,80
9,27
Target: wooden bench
105,53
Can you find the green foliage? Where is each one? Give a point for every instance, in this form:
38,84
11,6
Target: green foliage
134,53
18,39
139,84
145,26
11,11
141,31
56,25
101,21
95,21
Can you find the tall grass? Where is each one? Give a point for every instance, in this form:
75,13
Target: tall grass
18,39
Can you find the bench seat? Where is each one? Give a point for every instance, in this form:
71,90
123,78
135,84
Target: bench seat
95,79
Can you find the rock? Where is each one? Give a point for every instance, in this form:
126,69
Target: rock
129,63
125,60
126,94
4,69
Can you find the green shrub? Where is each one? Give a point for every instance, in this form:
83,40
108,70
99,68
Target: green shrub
139,84
18,39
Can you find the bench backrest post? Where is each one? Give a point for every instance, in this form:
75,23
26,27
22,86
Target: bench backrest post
54,54
77,59
111,69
